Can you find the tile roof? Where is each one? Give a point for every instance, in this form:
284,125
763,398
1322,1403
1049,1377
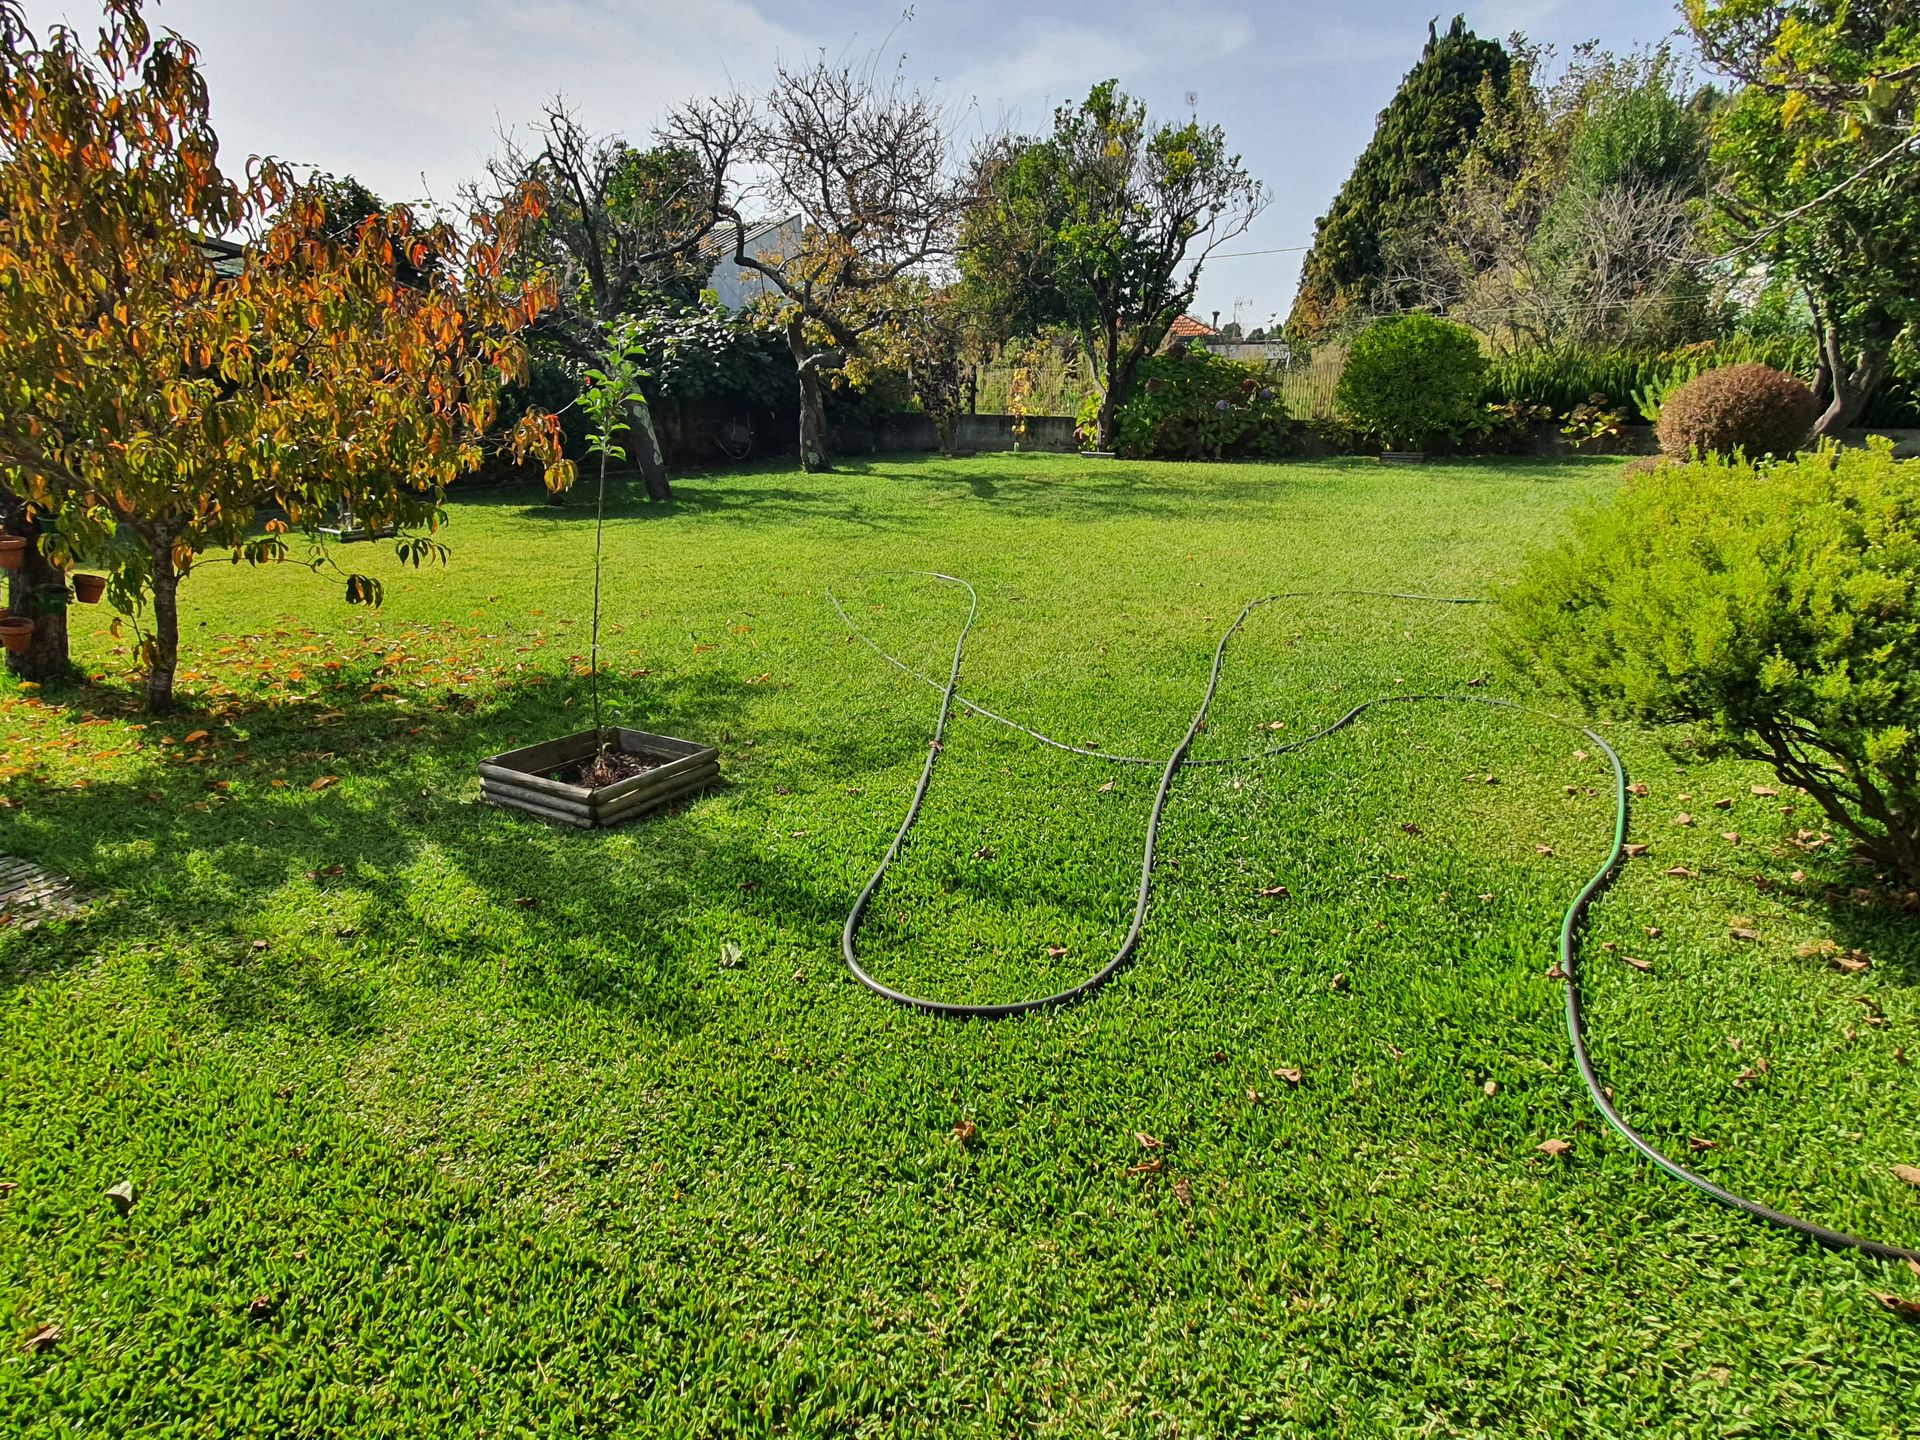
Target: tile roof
1188,328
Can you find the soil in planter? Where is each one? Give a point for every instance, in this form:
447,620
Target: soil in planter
609,767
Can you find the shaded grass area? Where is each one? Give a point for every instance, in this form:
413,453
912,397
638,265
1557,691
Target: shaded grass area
442,1121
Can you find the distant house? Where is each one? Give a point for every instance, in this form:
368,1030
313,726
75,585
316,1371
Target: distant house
770,241
229,259
1228,347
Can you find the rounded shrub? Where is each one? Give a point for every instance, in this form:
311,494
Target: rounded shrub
1768,612
1191,404
1754,410
1412,380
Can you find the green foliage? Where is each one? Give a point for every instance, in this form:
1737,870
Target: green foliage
1413,379
1419,141
1103,227
1191,404
1773,610
1566,379
1752,409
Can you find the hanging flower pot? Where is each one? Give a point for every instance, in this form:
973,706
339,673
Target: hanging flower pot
13,551
16,632
88,589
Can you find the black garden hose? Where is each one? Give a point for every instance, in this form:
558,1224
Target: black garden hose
1569,928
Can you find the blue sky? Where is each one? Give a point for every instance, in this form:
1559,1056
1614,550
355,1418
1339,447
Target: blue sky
410,94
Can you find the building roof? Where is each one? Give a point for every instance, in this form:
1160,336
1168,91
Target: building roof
1188,328
718,242
227,257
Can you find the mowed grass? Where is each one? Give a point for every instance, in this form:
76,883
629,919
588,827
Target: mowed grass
444,1122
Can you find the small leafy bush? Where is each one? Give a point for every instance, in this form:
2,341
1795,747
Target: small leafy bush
1191,404
1753,409
1770,610
1412,380
1508,428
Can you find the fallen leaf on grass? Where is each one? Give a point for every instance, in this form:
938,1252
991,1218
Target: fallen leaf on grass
122,1195
965,1130
261,1307
1146,1167
1289,1073
1581,756
1765,792
1724,803
1183,1192
1639,787
1697,1143
1654,932
1636,850
1555,1148
1908,1173
1741,932
259,944
194,737
1904,1308
526,902
326,872
1543,850
1056,952
1645,967
1339,981
1106,787
1732,837
1680,872
1412,829
324,781
1491,1087
1275,892
1219,1057
1254,1097
44,1338
1147,1142
730,955
1683,818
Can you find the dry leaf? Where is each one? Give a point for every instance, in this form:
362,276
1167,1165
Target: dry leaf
1680,872
1696,1143
1543,849
1412,829
1183,1192
1339,981
1683,818
261,1307
1645,967
1639,787
1147,1142
965,1130
1490,1088
1056,952
1635,851
1289,1073
1580,755
1765,792
1275,892
1554,972
1254,1097
324,781
1654,932
259,944
730,955
1908,1173
44,1338
1852,963
1905,1309
1106,787
1741,932
1799,877
194,737
1146,1167
1219,1057
1555,1148
1732,837
122,1195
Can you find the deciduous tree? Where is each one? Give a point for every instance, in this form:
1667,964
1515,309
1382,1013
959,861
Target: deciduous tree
151,406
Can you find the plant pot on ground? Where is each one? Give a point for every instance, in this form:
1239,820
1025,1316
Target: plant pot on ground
16,633
88,589
594,780
13,551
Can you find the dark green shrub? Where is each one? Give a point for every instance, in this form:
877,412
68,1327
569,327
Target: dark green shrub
1412,380
1190,404
1753,409
1771,610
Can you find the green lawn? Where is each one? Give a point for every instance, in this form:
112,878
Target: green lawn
442,1122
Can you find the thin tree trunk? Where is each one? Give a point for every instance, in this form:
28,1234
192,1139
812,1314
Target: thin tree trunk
165,658
1107,426
813,412
37,592
646,451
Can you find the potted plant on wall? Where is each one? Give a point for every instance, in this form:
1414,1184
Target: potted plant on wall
609,774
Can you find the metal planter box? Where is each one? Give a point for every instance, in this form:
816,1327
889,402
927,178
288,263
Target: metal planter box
518,779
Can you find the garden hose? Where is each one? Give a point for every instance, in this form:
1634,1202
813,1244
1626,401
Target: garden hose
1570,925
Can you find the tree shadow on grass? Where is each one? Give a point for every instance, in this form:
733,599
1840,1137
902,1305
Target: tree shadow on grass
292,904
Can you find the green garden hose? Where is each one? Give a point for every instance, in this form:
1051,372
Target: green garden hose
1570,925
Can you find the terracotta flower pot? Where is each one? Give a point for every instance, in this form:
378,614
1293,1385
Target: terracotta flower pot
13,550
88,589
16,633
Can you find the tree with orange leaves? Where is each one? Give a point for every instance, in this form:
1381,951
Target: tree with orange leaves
153,407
